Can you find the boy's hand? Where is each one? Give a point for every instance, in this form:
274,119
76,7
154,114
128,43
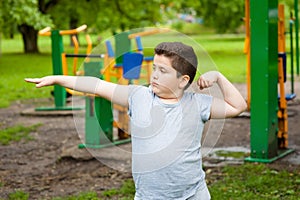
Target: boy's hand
207,79
41,82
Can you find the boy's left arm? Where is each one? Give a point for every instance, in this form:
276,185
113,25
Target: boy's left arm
233,103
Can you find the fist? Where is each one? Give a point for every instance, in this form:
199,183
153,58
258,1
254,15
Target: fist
207,79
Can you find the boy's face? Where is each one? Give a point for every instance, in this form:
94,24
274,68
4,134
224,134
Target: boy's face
164,80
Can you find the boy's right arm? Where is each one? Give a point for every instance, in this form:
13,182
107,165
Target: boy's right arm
113,92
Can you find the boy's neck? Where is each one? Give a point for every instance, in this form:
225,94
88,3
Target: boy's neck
171,100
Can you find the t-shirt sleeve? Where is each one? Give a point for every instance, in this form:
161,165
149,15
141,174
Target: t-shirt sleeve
204,102
130,94
133,94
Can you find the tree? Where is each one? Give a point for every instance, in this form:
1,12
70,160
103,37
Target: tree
119,15
222,15
102,15
28,17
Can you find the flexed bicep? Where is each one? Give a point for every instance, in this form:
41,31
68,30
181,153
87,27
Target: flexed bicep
221,109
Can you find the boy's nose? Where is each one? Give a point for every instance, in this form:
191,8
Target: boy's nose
154,74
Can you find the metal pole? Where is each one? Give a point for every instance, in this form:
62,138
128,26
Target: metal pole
57,50
297,34
292,52
264,76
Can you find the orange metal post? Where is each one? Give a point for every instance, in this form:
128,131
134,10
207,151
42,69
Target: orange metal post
247,50
75,59
282,112
89,44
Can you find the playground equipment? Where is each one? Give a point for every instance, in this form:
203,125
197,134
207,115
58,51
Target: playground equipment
266,66
57,50
99,114
123,66
119,67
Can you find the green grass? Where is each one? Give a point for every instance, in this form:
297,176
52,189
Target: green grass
247,182
17,133
231,154
80,196
21,195
225,51
255,181
14,68
18,195
215,52
126,191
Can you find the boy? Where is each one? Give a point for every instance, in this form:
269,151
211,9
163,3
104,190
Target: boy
166,122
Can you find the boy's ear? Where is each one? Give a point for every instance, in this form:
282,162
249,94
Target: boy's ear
184,81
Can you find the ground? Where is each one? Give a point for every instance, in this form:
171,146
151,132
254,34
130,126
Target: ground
45,167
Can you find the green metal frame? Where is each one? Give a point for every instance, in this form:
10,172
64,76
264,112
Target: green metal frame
122,46
297,34
291,24
98,115
59,91
264,79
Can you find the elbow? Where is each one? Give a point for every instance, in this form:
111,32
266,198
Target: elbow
238,109
242,107
245,106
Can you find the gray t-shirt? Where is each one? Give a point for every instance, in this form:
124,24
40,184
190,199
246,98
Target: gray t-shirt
166,156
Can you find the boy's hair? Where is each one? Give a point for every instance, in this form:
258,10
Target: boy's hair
182,57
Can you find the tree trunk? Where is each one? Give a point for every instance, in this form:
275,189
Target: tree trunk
73,24
30,36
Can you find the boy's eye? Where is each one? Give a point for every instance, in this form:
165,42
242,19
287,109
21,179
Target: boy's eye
162,70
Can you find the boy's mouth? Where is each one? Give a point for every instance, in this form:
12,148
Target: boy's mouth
154,84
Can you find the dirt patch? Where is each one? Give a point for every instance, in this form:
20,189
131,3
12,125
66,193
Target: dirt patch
43,169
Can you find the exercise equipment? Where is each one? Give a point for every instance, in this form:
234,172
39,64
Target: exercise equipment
268,121
122,66
57,50
99,121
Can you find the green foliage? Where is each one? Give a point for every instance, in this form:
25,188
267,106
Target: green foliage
16,12
223,15
18,195
122,15
16,133
288,3
114,16
102,15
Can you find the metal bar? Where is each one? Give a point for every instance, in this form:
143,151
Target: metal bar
297,34
247,50
57,50
85,55
73,31
292,52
